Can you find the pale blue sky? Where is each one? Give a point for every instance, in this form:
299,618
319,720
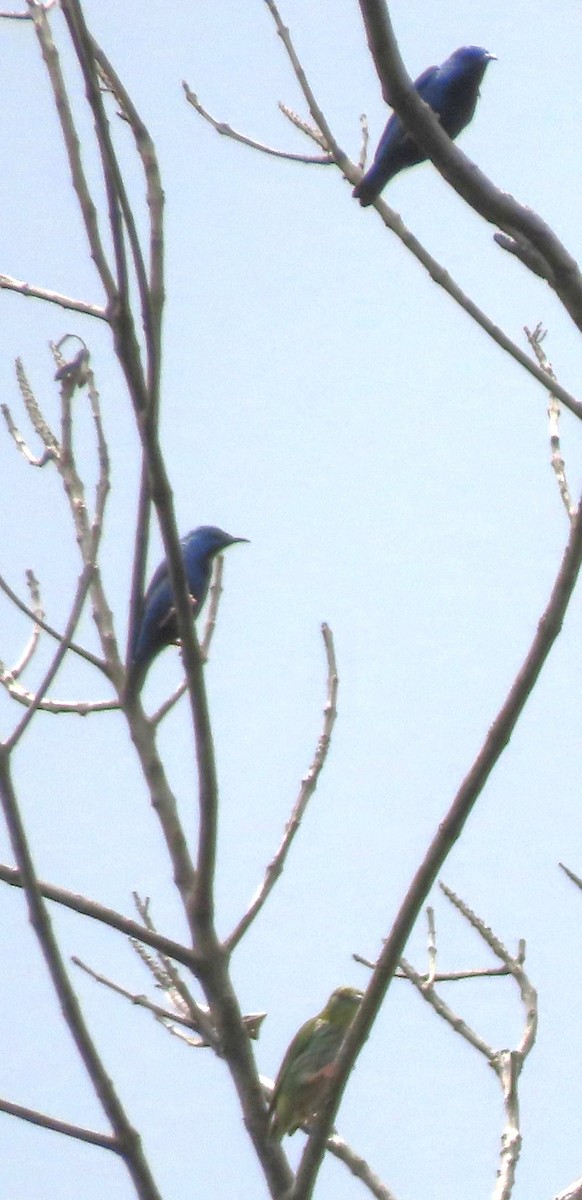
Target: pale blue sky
391,468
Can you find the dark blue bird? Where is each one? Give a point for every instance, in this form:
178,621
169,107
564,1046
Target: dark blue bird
158,626
452,91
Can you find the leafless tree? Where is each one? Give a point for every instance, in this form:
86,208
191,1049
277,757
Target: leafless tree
131,271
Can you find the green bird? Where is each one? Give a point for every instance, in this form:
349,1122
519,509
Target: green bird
309,1064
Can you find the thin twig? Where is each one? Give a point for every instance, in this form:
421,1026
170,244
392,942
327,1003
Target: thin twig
432,948
168,978
571,875
29,289
507,1064
104,1140
54,633
83,587
535,338
309,130
358,1167
36,603
48,704
442,976
306,790
33,460
228,131
165,1015
106,916
444,1011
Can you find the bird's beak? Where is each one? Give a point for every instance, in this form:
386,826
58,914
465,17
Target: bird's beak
492,58
233,540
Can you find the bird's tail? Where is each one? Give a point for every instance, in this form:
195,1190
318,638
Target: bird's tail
365,191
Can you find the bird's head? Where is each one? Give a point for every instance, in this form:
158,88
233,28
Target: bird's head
343,1005
470,59
209,540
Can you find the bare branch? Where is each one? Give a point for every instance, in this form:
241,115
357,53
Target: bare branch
48,455
572,1192
29,612
29,289
71,140
535,338
571,875
77,607
358,1167
309,130
432,948
29,649
227,131
308,786
80,708
457,1023
336,152
107,916
165,1015
514,965
442,976
103,1140
168,978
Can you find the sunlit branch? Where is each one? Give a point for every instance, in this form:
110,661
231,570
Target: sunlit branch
358,1167
28,289
535,338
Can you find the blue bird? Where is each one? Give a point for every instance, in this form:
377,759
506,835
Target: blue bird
158,626
452,91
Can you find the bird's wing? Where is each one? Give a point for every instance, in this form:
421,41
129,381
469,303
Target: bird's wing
160,573
395,134
425,83
295,1048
